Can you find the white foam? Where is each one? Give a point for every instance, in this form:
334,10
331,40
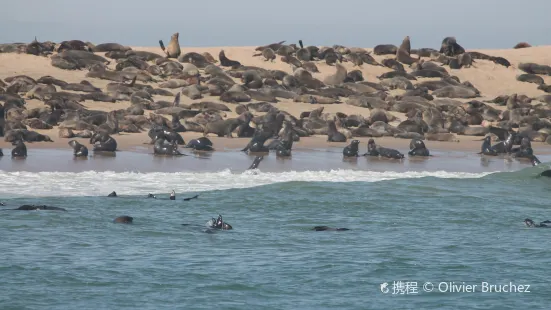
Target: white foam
91,183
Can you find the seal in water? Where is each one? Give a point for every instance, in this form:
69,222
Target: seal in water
535,161
173,50
200,144
487,148
124,219
79,149
190,198
151,196
417,148
113,194
1,153
530,223
20,149
34,207
219,223
173,195
163,147
327,228
256,145
525,150
374,150
103,142
256,162
351,150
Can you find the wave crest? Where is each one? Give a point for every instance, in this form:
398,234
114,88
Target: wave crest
92,183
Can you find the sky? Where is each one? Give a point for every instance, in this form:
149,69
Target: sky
357,23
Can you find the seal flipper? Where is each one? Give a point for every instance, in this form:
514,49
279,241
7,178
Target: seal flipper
163,46
256,162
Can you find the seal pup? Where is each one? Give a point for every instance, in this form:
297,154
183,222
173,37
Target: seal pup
173,195
531,224
173,50
20,150
327,228
351,150
112,194
79,150
124,219
375,150
417,148
256,162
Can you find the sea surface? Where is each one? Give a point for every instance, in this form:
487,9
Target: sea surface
453,218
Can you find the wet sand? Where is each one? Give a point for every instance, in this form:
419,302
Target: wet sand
53,160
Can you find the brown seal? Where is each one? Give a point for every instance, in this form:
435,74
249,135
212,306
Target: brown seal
173,50
403,54
522,45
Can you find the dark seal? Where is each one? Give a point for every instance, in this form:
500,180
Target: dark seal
352,149
79,150
417,148
124,219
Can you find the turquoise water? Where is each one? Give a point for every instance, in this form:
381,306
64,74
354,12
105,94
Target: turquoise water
432,227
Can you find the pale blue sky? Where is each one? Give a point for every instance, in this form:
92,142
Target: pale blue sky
475,23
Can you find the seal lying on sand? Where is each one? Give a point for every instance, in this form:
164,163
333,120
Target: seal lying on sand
124,219
417,148
374,150
219,223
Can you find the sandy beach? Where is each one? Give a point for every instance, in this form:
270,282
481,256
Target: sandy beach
490,78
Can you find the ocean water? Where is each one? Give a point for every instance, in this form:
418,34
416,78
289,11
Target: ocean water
407,228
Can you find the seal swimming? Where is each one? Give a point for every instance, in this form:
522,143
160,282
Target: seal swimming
327,228
124,219
531,224
219,223
36,208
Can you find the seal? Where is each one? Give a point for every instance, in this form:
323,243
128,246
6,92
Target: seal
417,148
225,62
200,144
20,150
327,228
256,162
333,135
164,147
403,54
487,148
256,145
531,224
524,151
375,150
219,223
124,219
103,142
113,194
35,208
79,149
535,161
173,50
173,195
351,150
